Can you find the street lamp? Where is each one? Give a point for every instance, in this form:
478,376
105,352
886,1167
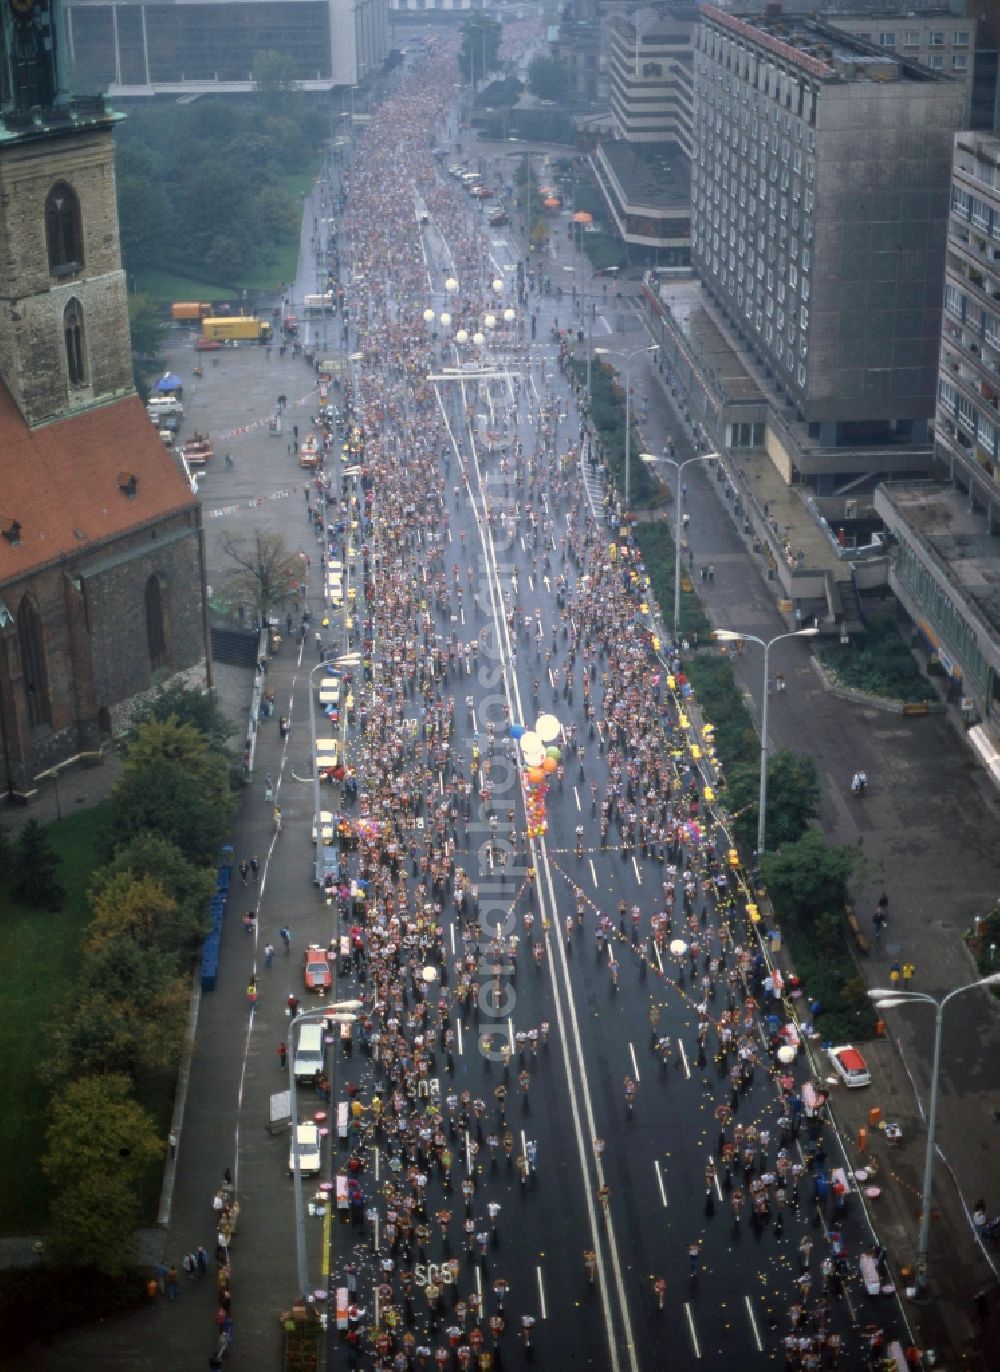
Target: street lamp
636,352
730,636
887,999
652,459
338,1013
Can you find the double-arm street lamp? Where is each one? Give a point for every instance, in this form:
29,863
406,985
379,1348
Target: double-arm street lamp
627,358
731,636
652,460
886,999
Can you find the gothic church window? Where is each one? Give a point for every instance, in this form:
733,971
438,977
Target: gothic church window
32,651
156,638
73,334
63,230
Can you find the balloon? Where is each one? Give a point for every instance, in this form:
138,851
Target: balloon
529,741
535,774
549,765
516,730
547,728
553,752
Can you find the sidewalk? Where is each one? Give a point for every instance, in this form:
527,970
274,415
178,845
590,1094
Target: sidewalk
930,813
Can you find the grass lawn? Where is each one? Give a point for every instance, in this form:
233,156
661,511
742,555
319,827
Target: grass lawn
166,286
39,953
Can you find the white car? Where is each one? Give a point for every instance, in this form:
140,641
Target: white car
309,1161
850,1066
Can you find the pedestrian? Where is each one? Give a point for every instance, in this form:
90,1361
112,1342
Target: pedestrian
895,975
255,867
171,1280
283,1053
172,1144
909,972
285,934
293,1005
694,1257
252,992
202,1259
268,954
268,792
711,571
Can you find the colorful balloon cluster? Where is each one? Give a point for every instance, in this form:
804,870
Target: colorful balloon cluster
541,758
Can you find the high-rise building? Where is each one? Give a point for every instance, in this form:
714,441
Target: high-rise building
649,60
101,560
819,204
946,567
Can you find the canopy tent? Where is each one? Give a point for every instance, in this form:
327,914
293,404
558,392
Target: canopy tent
169,381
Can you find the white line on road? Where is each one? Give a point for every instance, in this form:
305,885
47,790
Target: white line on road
661,1183
684,1059
576,797
479,1281
753,1325
451,934
510,1033
458,1026
377,1151
635,1065
375,1236
691,1330
593,870
541,1294
638,874
659,960
718,1188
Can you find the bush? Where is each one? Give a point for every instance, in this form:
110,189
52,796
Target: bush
33,870
658,553
878,661
722,705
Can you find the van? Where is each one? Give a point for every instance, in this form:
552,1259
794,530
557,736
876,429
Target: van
309,1156
157,405
308,1058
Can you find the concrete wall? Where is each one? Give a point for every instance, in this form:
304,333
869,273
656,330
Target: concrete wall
883,153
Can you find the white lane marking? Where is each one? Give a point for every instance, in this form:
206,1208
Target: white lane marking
659,960
377,1151
458,1026
661,1183
510,1033
684,1059
541,1294
576,797
451,934
479,1281
718,1187
593,870
753,1325
638,874
635,1065
691,1330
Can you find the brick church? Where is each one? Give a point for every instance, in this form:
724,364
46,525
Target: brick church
101,546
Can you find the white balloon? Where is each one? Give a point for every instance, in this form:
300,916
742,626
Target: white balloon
547,727
530,742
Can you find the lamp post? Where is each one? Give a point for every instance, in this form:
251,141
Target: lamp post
730,636
887,999
651,459
338,1013
627,357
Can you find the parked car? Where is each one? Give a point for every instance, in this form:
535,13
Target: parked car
316,972
309,1159
850,1066
497,217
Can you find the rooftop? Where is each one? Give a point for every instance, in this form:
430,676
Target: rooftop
966,552
651,175
67,488
828,54
715,355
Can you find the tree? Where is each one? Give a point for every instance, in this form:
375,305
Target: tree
176,741
806,878
163,798
127,1015
131,907
792,799
548,79
190,705
480,47
147,218
187,885
149,332
33,870
98,1145
274,77
264,573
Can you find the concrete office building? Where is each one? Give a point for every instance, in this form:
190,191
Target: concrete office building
140,48
938,39
946,563
649,58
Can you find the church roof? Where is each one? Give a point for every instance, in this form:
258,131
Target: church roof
71,486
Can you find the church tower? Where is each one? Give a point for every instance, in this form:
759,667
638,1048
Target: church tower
64,330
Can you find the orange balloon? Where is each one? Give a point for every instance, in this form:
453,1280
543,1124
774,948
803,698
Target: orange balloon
549,765
535,774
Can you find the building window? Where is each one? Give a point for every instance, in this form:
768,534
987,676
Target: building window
936,39
936,62
962,39
156,639
960,62
911,39
63,230
32,650
887,39
73,335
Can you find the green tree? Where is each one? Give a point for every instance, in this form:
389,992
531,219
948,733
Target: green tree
146,216
190,705
33,870
806,878
480,47
548,79
274,77
793,796
149,332
99,1143
164,798
264,573
189,886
